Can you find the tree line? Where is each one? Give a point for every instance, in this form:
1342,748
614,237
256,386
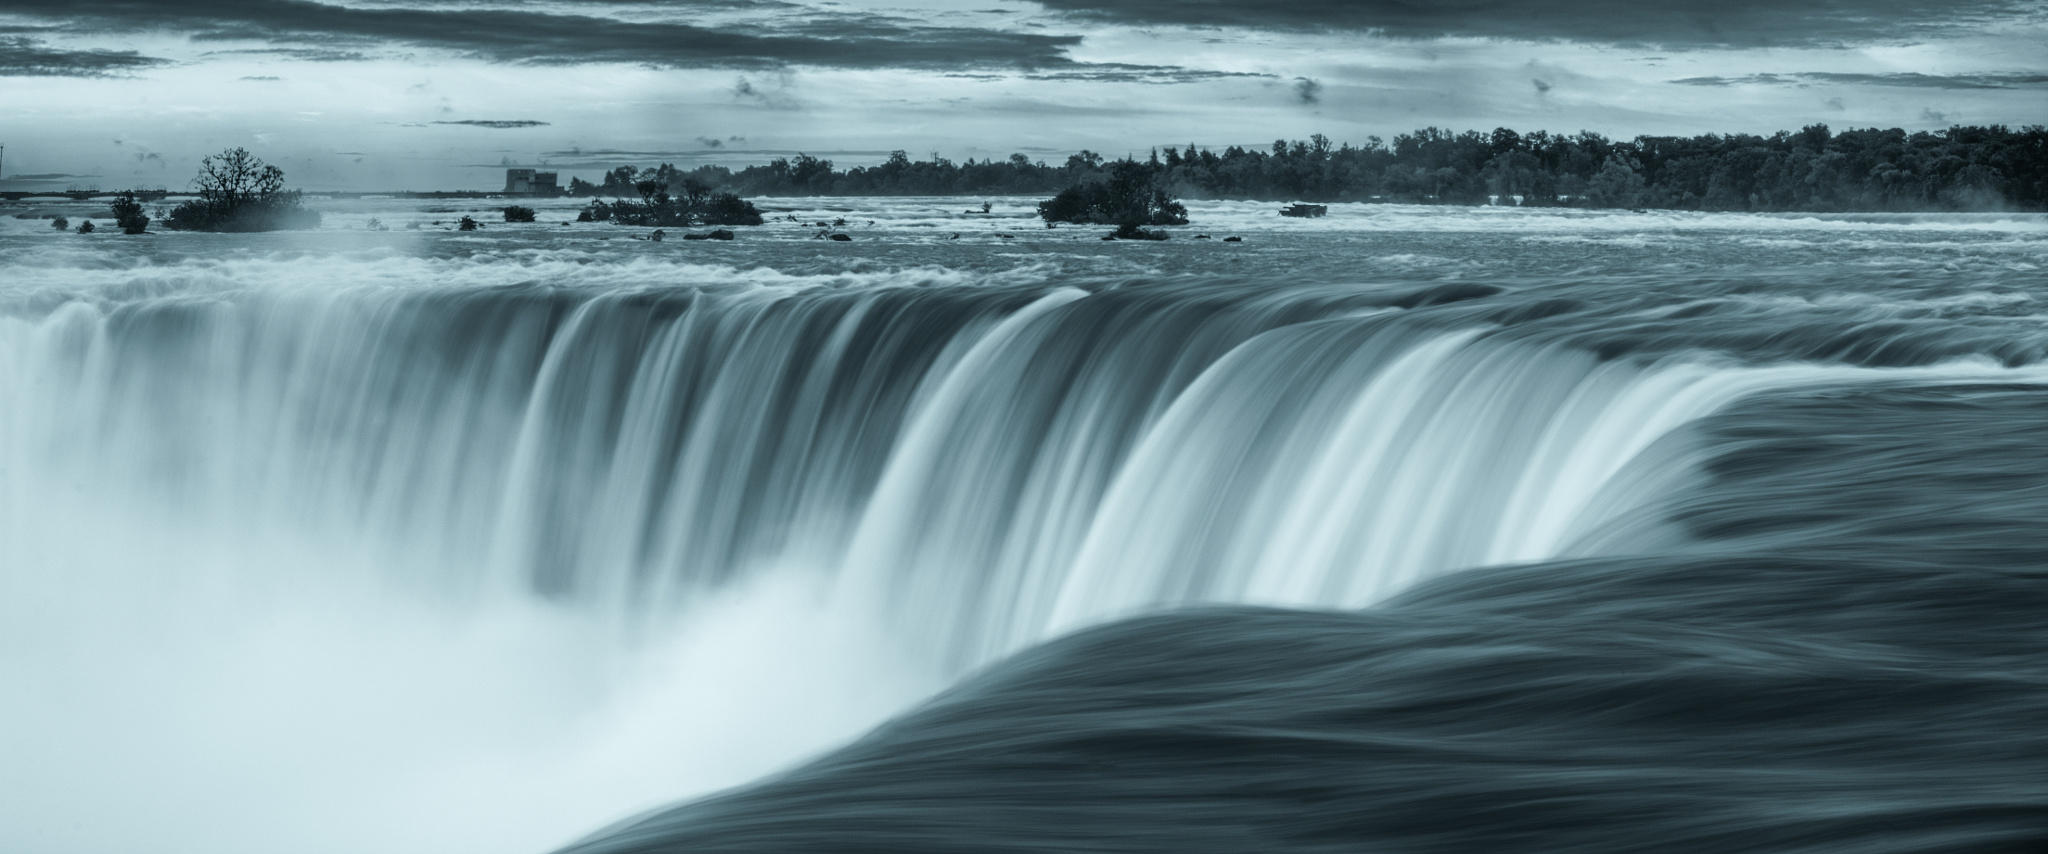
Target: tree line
1813,169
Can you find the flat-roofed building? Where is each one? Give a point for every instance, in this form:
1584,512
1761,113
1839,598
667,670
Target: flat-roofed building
528,182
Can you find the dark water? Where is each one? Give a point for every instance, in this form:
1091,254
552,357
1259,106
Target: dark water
1857,665
1405,529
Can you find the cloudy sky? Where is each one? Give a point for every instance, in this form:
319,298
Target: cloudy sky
382,94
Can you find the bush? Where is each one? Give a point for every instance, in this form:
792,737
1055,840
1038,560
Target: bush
239,192
468,224
85,227
519,213
128,214
60,224
697,206
1128,199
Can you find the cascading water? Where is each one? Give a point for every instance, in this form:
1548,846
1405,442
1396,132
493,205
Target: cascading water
566,543
1009,465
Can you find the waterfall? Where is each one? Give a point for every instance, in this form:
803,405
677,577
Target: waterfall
226,516
1004,465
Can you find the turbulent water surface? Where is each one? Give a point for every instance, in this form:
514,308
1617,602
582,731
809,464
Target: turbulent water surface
1403,529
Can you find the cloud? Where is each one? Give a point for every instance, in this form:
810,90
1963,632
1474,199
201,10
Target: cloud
710,142
1726,23
1935,116
263,78
535,33
302,54
499,124
781,97
1124,72
1910,80
26,57
1308,91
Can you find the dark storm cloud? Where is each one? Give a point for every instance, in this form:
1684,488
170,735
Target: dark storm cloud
499,124
1677,23
542,34
1122,72
1308,91
1905,80
303,54
23,57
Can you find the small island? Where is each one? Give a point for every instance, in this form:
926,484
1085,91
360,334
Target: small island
658,207
1128,197
238,192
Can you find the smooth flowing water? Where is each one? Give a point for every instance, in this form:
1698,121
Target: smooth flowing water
415,540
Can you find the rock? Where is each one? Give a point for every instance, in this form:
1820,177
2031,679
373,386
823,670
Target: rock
721,234
843,238
1201,237
1233,240
657,235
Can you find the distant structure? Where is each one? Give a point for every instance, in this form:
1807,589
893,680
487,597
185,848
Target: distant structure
527,182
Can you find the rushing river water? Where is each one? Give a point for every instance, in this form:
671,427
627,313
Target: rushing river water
1455,529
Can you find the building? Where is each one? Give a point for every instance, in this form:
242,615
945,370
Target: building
527,182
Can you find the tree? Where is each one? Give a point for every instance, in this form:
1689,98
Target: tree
239,192
519,213
128,214
698,205
1618,185
1128,199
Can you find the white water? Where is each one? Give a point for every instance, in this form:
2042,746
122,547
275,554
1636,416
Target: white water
456,569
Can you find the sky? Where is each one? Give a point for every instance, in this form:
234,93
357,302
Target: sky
445,94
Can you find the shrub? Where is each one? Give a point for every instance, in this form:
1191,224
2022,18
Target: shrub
519,213
128,214
60,224
697,206
468,224
1128,199
239,192
85,227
